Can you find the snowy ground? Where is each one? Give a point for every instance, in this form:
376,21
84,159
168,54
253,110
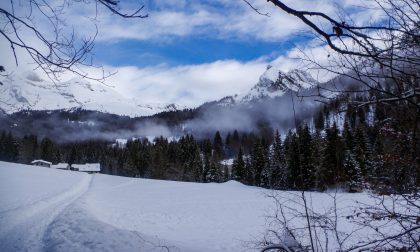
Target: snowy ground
43,209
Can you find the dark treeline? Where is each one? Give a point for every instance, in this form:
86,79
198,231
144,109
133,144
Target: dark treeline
368,150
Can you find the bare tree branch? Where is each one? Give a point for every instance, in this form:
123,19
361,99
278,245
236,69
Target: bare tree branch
59,51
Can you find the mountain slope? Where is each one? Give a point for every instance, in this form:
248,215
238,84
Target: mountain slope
30,92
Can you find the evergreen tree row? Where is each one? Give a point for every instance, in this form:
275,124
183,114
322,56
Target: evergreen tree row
376,150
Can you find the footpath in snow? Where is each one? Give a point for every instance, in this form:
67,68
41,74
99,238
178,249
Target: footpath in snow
43,209
31,199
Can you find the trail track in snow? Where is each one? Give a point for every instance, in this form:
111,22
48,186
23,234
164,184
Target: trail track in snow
23,228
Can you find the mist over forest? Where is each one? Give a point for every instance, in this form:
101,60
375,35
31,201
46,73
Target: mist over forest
75,125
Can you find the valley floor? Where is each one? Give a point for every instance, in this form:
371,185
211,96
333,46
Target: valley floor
43,209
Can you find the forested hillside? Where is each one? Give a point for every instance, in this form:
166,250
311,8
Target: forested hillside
343,145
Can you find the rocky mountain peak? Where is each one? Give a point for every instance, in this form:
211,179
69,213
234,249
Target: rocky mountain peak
274,83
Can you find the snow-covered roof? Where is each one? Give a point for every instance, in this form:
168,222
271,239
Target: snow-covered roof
41,161
95,167
60,166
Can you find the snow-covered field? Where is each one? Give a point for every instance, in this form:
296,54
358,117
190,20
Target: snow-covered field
44,209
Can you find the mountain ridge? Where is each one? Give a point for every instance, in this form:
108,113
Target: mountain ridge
273,83
28,91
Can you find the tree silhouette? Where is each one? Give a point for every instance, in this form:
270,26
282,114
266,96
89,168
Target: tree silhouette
54,50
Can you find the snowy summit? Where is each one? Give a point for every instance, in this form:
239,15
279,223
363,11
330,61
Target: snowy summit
274,83
28,91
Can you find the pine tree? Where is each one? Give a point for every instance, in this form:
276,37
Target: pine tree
266,176
226,175
214,174
246,143
12,148
236,142
228,146
317,151
197,164
362,151
144,158
258,162
267,172
249,171
348,137
292,158
28,149
3,146
72,157
238,168
277,162
47,150
307,169
353,174
206,168
331,172
57,156
380,172
354,178
218,146
8,147
190,159
159,158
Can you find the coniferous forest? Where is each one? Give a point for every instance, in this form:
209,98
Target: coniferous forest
353,149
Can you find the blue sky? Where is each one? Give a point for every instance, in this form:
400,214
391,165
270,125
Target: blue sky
207,35
190,52
201,42
200,50
186,51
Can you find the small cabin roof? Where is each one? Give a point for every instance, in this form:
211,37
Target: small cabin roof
60,166
94,167
41,161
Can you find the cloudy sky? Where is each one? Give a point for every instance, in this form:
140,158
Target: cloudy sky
190,52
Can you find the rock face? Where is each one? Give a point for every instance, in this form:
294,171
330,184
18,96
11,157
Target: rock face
274,83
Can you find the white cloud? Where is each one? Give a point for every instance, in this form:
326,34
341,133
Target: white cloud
230,19
192,85
189,85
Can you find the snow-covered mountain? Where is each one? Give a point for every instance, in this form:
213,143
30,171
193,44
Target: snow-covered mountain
29,91
273,83
269,101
